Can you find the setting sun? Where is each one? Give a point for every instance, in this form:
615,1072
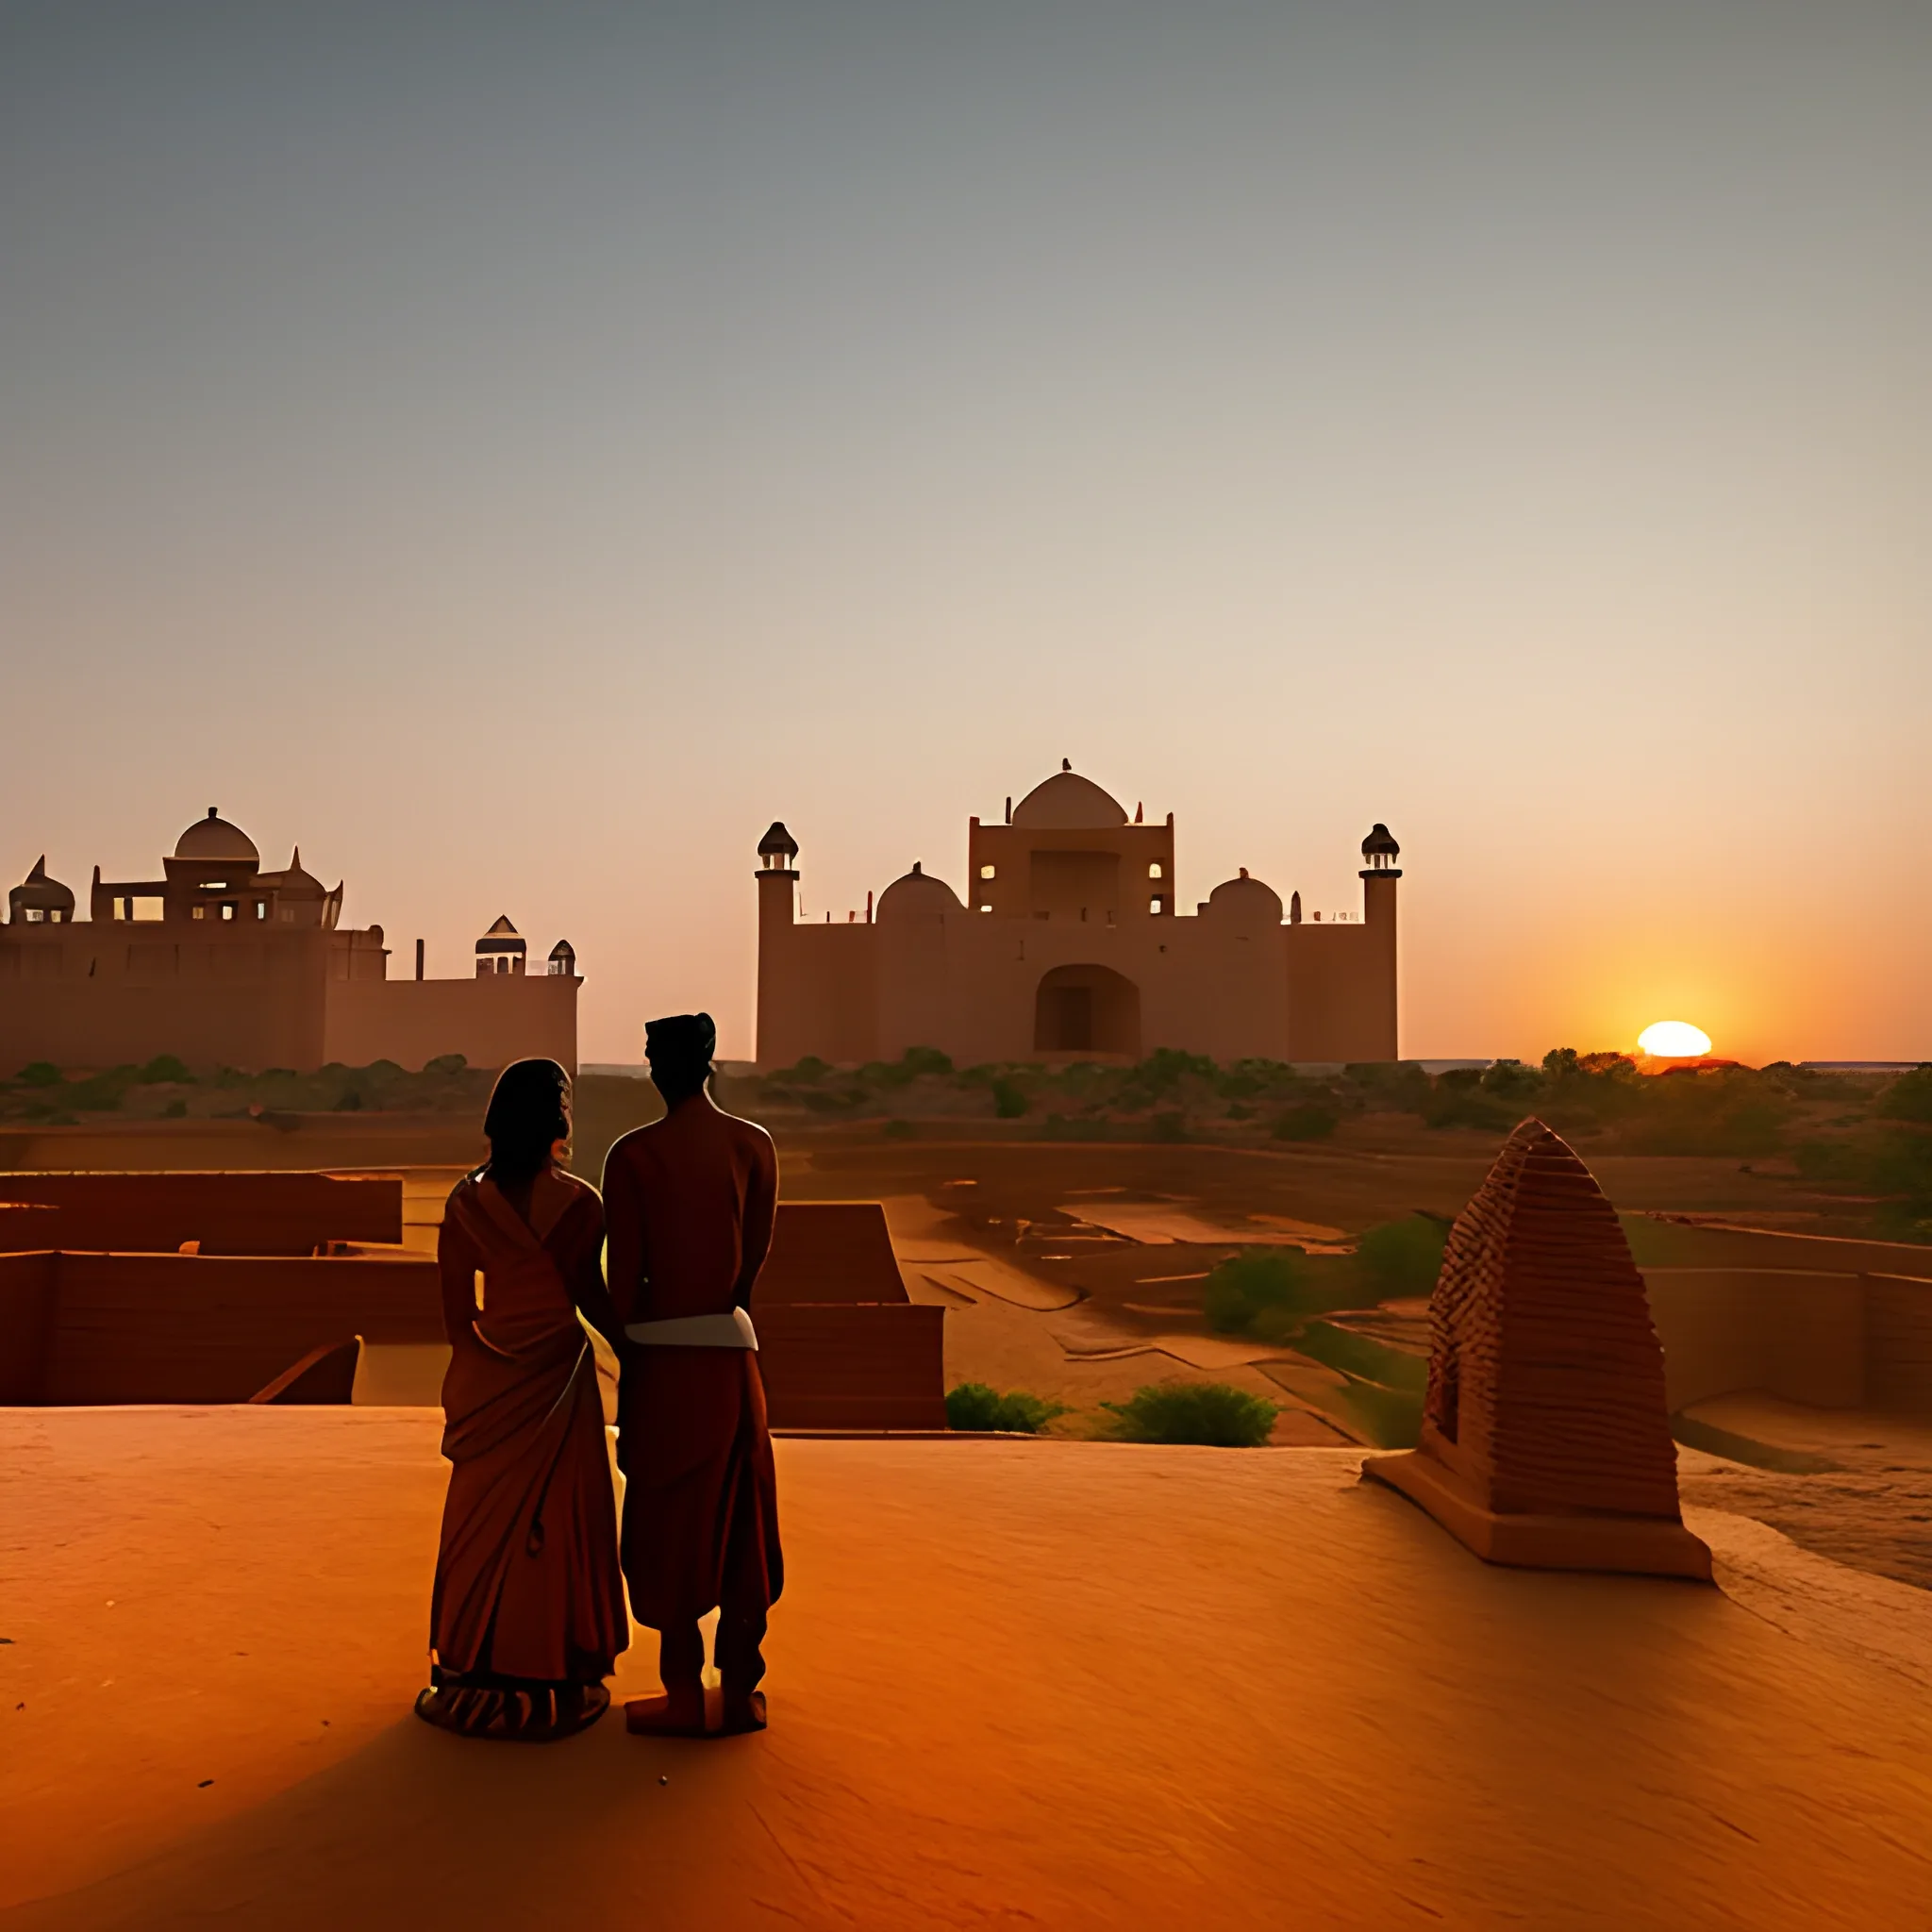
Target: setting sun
1674,1039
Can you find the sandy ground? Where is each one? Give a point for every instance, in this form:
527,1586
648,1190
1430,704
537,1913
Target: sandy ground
1054,1683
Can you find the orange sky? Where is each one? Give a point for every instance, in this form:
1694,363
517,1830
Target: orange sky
518,458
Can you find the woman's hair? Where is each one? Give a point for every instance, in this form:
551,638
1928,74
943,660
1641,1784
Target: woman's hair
526,1119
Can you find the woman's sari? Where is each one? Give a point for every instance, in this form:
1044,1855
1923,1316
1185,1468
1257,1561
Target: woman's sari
527,1618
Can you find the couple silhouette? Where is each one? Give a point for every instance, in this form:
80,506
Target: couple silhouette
527,1615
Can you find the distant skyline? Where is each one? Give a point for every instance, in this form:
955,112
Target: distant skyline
518,452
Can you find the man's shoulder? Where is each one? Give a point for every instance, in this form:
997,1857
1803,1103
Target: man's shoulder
747,1133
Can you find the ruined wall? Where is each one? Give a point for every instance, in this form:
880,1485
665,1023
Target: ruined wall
1799,1334
247,1213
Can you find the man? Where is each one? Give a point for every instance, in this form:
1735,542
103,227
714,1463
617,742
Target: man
689,1202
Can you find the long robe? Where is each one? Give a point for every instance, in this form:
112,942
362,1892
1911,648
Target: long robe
689,1200
527,1585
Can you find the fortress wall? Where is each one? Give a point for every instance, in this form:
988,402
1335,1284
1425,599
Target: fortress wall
1340,1003
223,1007
27,1288
202,1328
820,994
1795,1333
257,1213
489,1021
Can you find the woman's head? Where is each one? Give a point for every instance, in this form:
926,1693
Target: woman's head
679,1049
529,1117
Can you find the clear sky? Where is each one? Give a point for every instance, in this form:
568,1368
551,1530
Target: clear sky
520,451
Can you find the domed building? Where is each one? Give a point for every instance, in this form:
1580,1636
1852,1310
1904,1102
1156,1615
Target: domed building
1069,944
221,963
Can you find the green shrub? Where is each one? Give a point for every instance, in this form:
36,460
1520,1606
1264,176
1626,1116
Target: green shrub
1908,1097
926,1059
39,1074
165,1070
445,1063
175,1110
1403,1257
1212,1413
1170,1127
1249,1283
1512,1080
1310,1120
897,1130
975,1406
1009,1099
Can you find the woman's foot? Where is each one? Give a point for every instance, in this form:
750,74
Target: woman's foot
678,1713
539,1715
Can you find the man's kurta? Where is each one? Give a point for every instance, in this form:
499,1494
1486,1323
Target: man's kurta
688,1203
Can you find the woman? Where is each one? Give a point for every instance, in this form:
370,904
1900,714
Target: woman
527,1619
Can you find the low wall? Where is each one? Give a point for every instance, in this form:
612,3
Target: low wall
1793,1333
1898,1344
853,1367
28,1289
80,1328
266,1213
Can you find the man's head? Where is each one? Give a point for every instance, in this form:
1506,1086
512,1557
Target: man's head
679,1049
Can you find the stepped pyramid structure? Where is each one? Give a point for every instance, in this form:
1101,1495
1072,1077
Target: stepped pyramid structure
1546,1437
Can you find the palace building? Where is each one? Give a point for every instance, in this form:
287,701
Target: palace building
220,962
1070,945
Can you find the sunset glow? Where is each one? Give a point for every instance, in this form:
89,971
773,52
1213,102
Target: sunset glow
1674,1039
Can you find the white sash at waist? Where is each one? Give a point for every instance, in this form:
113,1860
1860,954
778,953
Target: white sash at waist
732,1329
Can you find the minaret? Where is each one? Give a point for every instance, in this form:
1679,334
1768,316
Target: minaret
1378,876
777,878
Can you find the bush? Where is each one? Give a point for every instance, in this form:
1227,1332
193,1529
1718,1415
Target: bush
897,1130
975,1407
1908,1097
1212,1413
1403,1257
175,1110
165,1070
1310,1120
1249,1283
924,1059
445,1063
1009,1099
40,1074
1170,1127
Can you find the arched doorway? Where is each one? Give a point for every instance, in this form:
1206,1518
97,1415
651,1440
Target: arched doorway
1086,1010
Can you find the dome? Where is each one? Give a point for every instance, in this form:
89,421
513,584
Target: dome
295,883
1068,803
917,895
1247,901
778,842
1380,842
214,840
39,894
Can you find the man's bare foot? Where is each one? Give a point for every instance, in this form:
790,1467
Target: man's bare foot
679,1713
742,1713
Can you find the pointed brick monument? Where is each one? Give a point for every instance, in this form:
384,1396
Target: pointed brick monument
1545,1438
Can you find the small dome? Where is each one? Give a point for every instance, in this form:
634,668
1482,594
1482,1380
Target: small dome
1069,803
1247,901
1380,842
502,938
778,841
917,895
38,893
297,884
213,839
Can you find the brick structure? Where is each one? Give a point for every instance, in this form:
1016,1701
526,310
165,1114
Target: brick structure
1546,1437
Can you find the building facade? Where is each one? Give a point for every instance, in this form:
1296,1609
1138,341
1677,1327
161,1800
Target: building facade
1070,945
221,963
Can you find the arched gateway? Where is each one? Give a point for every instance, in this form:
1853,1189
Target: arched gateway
1086,1010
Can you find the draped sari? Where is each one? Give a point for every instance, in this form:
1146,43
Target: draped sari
527,1616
